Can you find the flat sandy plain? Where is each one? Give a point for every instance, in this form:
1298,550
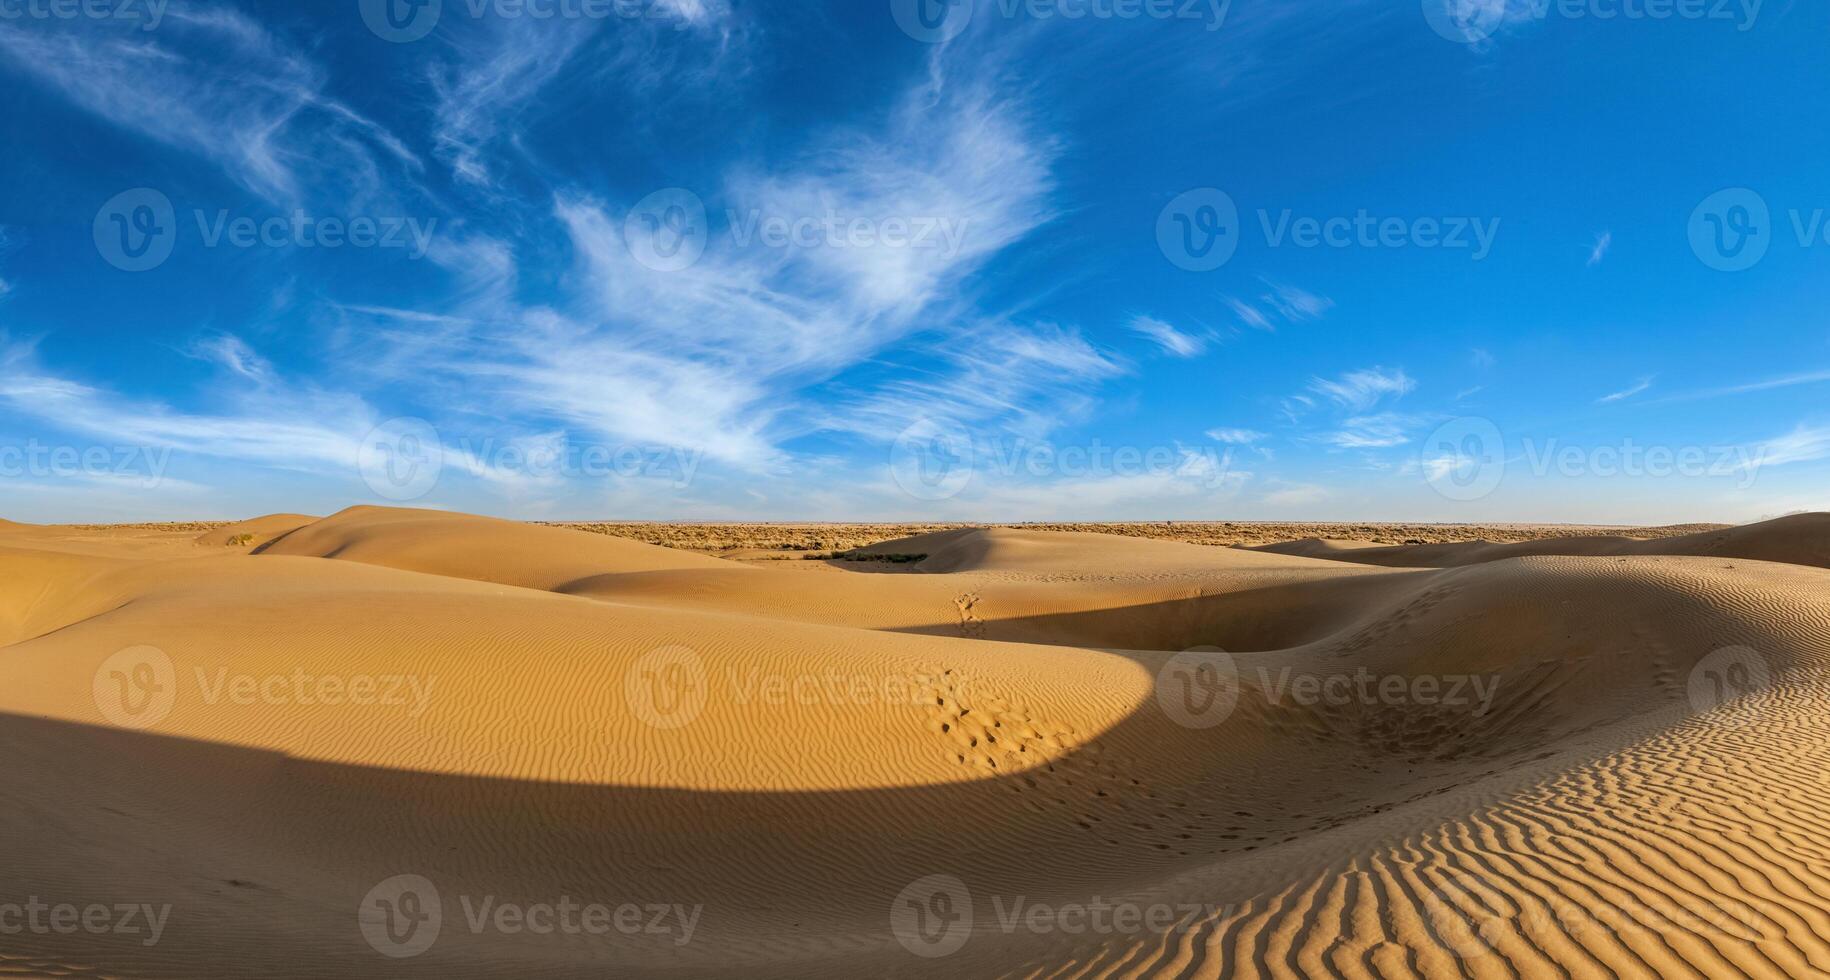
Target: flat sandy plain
396,743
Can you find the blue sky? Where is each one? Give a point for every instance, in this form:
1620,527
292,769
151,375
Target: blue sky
695,259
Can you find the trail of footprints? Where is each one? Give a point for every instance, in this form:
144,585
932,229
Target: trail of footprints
1057,770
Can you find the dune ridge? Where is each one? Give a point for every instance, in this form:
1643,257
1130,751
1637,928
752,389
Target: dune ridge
997,714
1800,539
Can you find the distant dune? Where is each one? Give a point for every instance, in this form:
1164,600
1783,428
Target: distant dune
1801,539
254,533
1581,757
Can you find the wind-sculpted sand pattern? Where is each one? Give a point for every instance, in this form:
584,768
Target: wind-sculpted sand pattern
397,743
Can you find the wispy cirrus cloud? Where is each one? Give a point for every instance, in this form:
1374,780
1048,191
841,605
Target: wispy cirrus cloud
1279,304
295,428
1170,340
1622,395
1360,390
726,353
1800,379
1382,431
1236,437
1804,444
215,83
1599,250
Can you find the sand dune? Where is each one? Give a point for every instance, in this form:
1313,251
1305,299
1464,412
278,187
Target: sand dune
478,548
1514,767
1801,539
254,533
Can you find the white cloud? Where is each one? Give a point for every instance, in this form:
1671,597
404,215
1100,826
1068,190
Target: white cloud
1360,390
230,352
1279,302
720,356
1235,436
1173,342
1804,444
1626,393
1600,249
296,429
1381,431
1249,314
1787,381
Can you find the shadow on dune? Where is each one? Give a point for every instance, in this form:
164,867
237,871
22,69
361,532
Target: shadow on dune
265,857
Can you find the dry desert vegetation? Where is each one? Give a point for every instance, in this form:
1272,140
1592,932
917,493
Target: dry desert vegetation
399,743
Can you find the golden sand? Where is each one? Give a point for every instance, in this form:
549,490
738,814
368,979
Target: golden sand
397,743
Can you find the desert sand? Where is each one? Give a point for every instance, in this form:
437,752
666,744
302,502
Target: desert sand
393,743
